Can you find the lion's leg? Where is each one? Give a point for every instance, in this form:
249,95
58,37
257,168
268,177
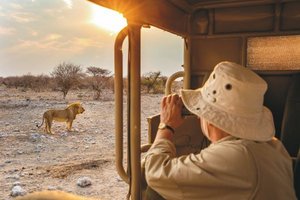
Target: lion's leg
69,125
46,126
49,123
45,129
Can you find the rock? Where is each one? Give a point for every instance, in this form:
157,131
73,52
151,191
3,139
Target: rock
17,191
2,135
38,148
17,183
64,134
52,188
84,182
20,152
34,137
59,188
14,177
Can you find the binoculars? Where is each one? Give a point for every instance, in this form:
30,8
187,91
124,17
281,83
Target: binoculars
185,111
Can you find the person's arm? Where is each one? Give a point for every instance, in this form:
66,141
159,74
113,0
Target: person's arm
170,114
163,147
218,167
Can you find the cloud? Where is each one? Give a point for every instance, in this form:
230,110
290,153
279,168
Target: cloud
69,3
22,17
34,33
7,31
52,37
55,42
15,6
14,12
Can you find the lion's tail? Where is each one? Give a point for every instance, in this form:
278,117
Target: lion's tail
39,126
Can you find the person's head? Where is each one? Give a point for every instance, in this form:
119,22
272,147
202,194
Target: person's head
212,132
232,100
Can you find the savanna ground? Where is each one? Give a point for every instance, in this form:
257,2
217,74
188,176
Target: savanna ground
39,161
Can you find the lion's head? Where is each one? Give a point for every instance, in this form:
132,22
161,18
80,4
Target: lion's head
77,107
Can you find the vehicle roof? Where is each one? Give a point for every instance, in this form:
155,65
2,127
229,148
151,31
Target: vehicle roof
161,13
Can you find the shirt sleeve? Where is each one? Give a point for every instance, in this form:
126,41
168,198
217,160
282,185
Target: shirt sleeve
177,177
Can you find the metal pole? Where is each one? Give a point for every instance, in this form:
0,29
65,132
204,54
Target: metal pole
187,63
119,103
135,108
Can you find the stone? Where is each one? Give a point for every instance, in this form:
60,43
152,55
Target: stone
17,191
34,137
17,183
84,182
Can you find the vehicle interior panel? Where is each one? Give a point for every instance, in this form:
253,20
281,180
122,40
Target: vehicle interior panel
290,130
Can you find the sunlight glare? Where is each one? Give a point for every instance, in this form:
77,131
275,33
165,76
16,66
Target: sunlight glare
68,3
107,19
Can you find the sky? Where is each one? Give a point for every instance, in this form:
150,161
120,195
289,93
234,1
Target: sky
38,35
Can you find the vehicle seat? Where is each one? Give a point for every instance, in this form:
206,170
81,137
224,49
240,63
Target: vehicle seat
290,133
290,129
297,176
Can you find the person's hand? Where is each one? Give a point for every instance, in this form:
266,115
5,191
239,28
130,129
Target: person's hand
171,107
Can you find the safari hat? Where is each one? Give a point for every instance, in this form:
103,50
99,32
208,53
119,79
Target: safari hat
232,100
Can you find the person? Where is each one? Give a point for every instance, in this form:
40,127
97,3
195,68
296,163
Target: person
243,161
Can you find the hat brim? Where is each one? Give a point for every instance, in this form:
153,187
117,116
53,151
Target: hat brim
258,127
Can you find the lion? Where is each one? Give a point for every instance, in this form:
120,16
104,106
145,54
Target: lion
67,115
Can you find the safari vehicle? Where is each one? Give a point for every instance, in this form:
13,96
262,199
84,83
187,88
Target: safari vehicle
263,35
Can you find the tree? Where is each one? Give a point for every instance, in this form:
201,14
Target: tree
41,82
13,81
36,83
1,80
27,81
153,81
99,79
67,76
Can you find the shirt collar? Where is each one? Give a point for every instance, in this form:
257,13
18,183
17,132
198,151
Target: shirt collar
227,138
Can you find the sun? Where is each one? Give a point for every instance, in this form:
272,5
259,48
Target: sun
107,19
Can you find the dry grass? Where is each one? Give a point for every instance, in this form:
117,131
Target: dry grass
40,161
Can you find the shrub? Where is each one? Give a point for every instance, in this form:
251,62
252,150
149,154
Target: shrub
100,79
67,76
153,82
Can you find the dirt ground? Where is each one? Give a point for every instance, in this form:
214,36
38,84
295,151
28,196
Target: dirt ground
38,161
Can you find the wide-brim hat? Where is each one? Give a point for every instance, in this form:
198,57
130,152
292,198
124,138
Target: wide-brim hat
232,100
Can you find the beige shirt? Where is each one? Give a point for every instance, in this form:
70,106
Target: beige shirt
233,169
